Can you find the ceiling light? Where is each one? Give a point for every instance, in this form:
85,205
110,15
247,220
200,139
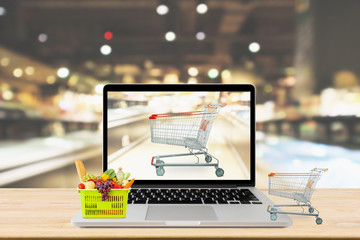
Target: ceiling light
29,70
8,95
43,37
63,72
2,11
193,71
105,49
200,36
108,35
201,8
51,79
162,9
18,72
226,74
73,80
254,47
5,62
213,73
170,36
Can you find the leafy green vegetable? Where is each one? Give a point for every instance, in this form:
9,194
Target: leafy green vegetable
111,173
126,176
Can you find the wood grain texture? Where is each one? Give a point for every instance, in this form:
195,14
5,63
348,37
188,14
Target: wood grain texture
46,213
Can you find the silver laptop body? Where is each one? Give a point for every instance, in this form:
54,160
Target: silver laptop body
234,213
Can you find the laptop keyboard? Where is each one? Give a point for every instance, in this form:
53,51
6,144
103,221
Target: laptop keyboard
192,196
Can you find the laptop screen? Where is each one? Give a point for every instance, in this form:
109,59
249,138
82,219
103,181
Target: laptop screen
179,135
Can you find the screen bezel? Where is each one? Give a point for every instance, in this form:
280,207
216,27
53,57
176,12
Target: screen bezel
182,88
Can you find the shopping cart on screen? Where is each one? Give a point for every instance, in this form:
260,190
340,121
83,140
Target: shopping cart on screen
297,186
188,129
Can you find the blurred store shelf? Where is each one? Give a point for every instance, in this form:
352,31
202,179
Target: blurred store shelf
285,154
36,156
326,129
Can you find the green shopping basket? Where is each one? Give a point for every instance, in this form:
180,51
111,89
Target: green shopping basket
114,207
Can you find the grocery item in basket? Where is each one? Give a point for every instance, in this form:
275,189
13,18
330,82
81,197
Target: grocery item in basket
104,188
88,176
107,181
80,168
122,177
111,173
90,185
128,185
104,177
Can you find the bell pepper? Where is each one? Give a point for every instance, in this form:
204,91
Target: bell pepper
104,177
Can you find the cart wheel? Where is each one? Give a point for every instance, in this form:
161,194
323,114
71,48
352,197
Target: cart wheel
273,216
318,221
311,209
273,210
208,158
219,172
160,171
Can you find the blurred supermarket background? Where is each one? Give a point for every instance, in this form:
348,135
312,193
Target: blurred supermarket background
303,57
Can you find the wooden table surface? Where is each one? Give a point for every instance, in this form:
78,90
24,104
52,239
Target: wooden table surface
46,213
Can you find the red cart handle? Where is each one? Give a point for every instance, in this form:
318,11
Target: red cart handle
192,113
154,116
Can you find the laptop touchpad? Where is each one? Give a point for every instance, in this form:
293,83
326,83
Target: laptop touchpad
176,213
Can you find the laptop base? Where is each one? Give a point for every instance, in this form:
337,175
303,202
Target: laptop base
182,215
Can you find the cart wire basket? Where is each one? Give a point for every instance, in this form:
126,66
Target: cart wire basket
188,129
114,207
297,186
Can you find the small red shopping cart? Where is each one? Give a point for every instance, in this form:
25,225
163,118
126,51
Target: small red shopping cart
189,129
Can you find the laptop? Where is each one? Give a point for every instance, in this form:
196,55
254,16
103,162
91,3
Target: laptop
191,149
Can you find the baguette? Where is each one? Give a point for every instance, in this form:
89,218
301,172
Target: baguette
80,168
